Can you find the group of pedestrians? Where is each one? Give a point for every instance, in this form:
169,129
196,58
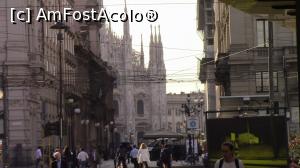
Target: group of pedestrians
141,157
69,159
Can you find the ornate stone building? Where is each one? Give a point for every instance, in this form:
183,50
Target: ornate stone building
140,92
30,70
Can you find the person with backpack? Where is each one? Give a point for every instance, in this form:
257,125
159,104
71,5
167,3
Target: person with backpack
228,160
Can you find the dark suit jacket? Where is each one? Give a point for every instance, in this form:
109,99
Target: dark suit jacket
63,164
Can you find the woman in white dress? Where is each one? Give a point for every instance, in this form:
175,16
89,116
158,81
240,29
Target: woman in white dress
143,156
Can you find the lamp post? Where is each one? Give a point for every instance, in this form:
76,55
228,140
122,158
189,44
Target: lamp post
97,125
112,128
85,124
70,101
74,127
70,122
190,110
60,26
106,129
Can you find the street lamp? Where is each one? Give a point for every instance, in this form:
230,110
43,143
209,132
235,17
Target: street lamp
70,115
77,110
97,125
188,110
112,128
60,26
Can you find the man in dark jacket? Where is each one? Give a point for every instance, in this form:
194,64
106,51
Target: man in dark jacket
121,156
165,156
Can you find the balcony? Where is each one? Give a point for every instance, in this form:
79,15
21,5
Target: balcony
284,10
222,74
203,68
262,6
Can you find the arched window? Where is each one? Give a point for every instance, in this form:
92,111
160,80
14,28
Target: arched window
140,107
140,135
178,125
116,107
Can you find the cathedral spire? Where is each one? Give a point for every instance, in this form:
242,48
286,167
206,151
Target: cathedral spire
155,35
159,36
151,36
109,26
142,46
142,52
126,30
152,54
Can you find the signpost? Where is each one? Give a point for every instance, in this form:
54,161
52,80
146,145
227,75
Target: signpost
192,123
192,126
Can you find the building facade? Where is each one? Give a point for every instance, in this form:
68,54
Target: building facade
30,66
140,92
244,63
206,27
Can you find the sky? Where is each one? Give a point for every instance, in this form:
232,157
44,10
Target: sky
181,41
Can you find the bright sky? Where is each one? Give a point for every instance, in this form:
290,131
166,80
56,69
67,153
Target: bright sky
182,44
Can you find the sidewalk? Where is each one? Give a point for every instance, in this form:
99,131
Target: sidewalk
178,164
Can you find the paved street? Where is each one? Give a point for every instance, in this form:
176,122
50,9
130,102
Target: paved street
110,164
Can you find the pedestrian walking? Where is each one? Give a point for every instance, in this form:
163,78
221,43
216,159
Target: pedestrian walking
67,157
133,156
58,161
121,156
129,148
229,160
165,156
143,156
95,157
38,157
82,159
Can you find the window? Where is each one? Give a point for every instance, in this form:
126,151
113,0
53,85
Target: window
210,32
169,126
262,81
209,17
169,112
262,33
140,135
210,41
208,4
140,107
116,107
